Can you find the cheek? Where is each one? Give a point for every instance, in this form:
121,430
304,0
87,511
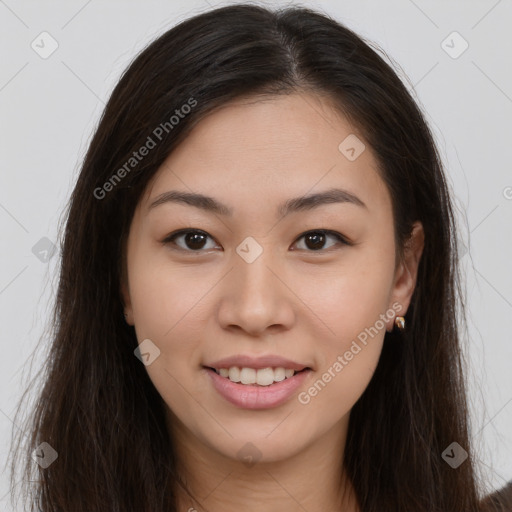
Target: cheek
349,298
355,312
160,315
169,319
162,295
351,305
340,384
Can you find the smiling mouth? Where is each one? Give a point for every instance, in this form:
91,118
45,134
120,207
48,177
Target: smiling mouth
259,377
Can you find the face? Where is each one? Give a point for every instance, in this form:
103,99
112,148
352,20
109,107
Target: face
288,269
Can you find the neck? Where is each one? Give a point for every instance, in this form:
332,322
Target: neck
312,479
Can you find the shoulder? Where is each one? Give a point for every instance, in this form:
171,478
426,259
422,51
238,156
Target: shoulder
498,501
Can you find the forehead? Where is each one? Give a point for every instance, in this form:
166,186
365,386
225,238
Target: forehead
255,149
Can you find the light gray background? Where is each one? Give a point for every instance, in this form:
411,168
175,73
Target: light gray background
49,108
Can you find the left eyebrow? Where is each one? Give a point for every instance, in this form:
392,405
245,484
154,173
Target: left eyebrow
304,203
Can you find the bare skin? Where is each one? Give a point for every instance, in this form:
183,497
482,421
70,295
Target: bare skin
295,300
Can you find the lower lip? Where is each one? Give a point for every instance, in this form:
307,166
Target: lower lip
252,396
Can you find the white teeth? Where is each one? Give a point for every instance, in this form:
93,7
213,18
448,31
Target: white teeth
265,376
234,374
248,376
262,376
279,374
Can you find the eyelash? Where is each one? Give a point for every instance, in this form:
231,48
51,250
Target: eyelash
170,239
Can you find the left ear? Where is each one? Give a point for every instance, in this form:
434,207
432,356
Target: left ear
407,271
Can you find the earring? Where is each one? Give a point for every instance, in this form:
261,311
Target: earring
400,322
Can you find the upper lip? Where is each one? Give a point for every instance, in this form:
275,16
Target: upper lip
247,361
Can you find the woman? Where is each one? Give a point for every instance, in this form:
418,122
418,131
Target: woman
258,291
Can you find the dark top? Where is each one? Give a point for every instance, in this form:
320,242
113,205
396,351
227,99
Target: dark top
499,501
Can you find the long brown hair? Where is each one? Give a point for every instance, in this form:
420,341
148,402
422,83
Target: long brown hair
97,406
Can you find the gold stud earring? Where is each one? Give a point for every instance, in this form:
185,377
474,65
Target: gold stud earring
400,322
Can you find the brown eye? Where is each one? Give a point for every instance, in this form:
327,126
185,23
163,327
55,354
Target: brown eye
315,240
193,240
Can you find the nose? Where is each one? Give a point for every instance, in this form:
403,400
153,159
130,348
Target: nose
256,298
